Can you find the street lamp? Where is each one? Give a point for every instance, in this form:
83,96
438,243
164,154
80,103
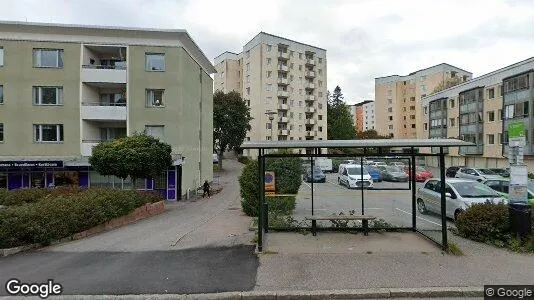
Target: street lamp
271,114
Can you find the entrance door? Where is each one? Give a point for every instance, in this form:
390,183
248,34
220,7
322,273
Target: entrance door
171,184
178,182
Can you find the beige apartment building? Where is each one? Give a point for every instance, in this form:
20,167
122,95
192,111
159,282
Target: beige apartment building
65,88
479,111
398,99
280,78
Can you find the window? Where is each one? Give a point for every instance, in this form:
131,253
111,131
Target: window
268,61
290,77
491,116
47,58
300,55
320,128
423,78
426,110
269,74
248,78
154,98
390,101
389,93
300,67
451,103
269,48
404,108
452,122
1,57
47,95
491,93
1,94
412,107
291,53
1,132
391,118
320,117
268,87
320,94
300,129
155,62
413,125
292,103
291,116
320,71
248,66
300,116
320,83
291,66
500,114
248,53
404,117
156,131
491,139
412,117
268,100
390,127
300,103
320,105
267,125
425,126
300,91
48,133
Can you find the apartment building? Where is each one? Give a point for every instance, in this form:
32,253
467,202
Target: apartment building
479,111
283,82
65,88
398,98
368,109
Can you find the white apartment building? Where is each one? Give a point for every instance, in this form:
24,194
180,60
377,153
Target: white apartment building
368,109
283,82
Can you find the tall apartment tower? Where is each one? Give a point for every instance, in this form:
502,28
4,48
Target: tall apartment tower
398,99
66,88
281,76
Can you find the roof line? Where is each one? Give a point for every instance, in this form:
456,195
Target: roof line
412,73
86,26
280,37
225,53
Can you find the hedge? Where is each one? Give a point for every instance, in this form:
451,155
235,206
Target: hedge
63,213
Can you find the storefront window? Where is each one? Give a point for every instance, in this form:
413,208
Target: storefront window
3,180
140,184
160,182
37,179
66,178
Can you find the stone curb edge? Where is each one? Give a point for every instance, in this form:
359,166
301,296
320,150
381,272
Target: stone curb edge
373,293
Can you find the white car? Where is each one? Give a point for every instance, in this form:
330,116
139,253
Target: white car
477,174
215,158
459,195
378,164
350,175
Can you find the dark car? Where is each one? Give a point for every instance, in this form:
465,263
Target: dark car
451,171
391,173
318,175
502,172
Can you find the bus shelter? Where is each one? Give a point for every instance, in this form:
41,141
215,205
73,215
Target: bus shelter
314,149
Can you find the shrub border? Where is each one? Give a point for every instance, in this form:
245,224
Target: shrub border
142,212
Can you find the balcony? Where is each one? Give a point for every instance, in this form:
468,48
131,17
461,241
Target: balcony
283,107
283,68
103,74
310,98
104,111
311,133
283,81
310,110
478,149
103,64
283,132
310,122
283,55
283,120
87,147
310,62
310,85
283,94
310,74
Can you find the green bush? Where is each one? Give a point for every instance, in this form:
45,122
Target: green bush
484,222
287,178
281,205
243,159
21,196
66,213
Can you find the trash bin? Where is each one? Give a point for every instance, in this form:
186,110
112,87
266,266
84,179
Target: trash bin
519,217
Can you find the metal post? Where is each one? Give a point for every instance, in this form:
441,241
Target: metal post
264,202
361,183
413,187
443,199
261,179
312,164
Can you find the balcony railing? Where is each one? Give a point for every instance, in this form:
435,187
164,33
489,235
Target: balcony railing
283,132
93,103
283,81
106,67
310,74
310,98
283,68
283,94
310,85
310,122
311,133
310,61
283,120
94,110
310,110
284,55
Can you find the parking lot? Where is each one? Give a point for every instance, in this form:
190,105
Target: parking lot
393,206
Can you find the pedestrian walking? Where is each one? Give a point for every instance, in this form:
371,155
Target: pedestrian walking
206,188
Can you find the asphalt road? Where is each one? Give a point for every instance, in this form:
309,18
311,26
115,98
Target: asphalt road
393,206
204,270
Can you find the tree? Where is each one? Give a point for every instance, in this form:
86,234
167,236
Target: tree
231,120
447,83
370,134
340,124
136,156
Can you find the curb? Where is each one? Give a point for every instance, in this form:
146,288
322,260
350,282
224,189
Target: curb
374,293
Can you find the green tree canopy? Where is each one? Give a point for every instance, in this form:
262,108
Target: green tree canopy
231,120
136,156
340,122
370,134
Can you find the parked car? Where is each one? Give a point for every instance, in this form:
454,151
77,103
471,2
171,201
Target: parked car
350,175
477,174
375,173
324,163
421,174
397,164
390,173
501,186
451,171
316,176
503,172
378,164
460,194
215,158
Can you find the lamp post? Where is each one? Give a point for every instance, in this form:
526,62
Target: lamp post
271,114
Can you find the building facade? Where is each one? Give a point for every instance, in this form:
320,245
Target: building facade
399,99
282,77
65,88
479,111
364,115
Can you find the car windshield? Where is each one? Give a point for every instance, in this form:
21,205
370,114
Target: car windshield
372,169
356,171
393,169
487,172
471,189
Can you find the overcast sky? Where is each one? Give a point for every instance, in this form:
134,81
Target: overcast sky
364,39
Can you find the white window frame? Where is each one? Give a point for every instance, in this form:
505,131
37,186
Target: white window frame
148,132
37,94
492,135
150,99
1,56
38,138
148,67
37,59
